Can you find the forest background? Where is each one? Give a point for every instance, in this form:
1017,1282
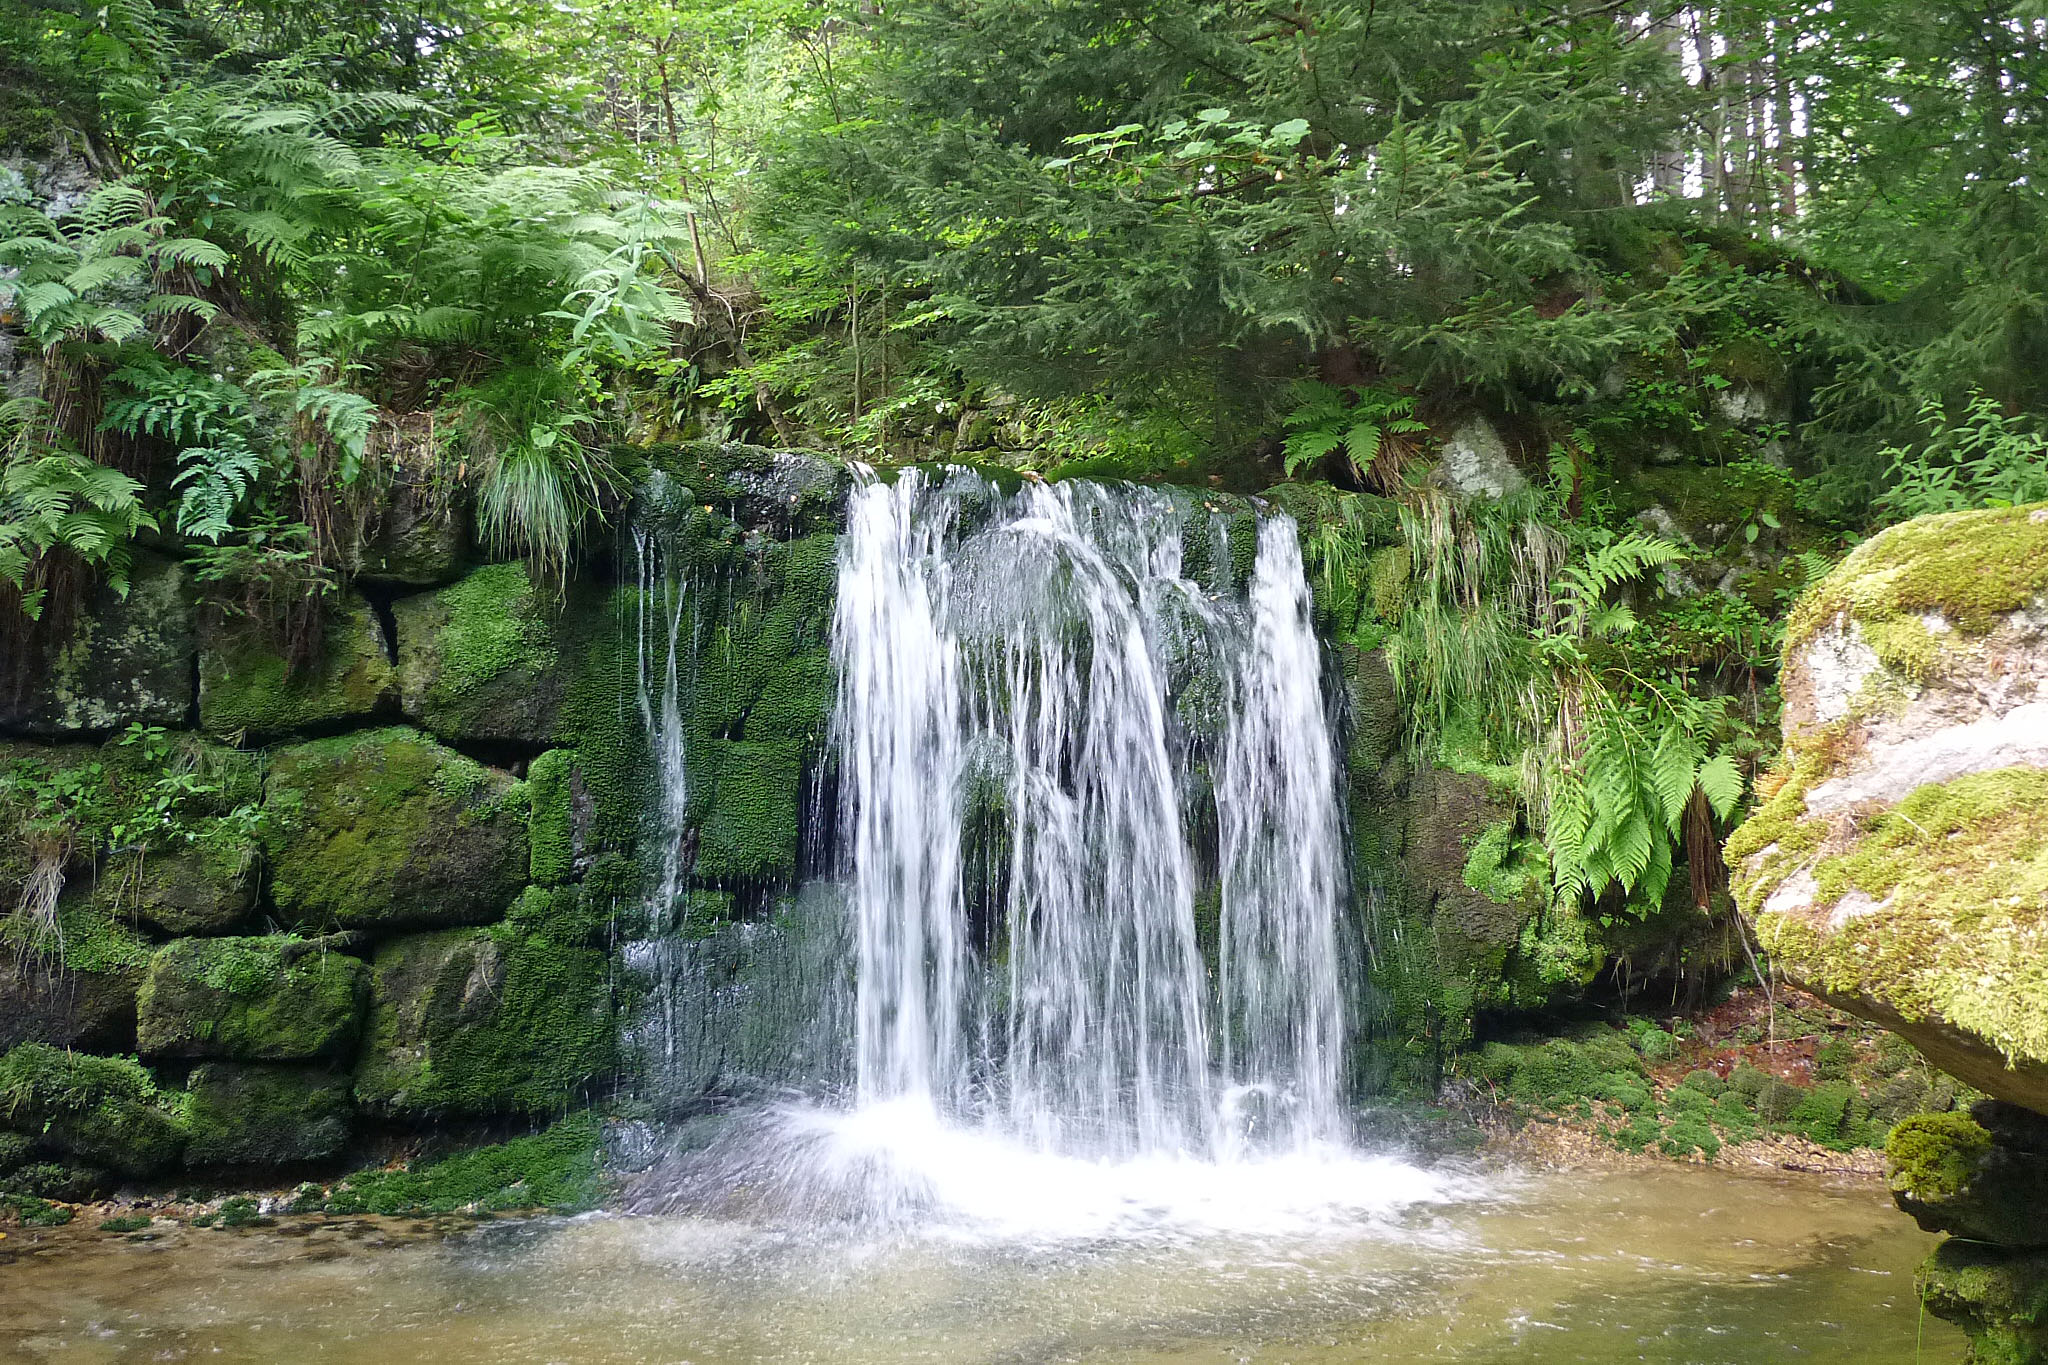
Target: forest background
1738,284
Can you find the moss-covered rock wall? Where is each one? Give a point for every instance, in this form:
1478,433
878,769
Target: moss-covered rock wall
273,905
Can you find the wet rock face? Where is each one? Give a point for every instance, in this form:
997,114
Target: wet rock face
1900,863
252,999
246,690
385,828
42,1002
128,660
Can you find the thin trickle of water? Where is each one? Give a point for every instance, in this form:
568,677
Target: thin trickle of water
1022,662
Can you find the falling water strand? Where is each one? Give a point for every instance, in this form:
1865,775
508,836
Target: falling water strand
1283,870
1023,661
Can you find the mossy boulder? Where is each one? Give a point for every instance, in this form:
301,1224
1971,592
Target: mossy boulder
482,659
102,1110
127,660
265,1115
246,686
200,888
1982,1175
1997,1295
1899,863
72,983
482,1021
250,999
43,1002
388,828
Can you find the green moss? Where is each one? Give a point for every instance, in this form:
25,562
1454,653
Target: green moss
751,812
1958,876
33,1212
556,1169
1998,1296
265,1115
1734,1118
482,658
1971,567
88,939
551,825
1935,1156
121,1225
245,686
387,827
104,1110
561,913
256,999
482,1021
1687,1134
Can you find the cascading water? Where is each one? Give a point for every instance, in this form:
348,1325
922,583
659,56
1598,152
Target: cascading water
1083,943
1040,650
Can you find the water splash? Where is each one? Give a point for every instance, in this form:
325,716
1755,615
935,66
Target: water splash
1033,664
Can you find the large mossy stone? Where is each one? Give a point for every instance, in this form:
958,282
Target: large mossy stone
200,888
102,1110
265,1115
127,661
1982,1175
250,999
1997,1295
418,541
388,828
43,1002
247,688
1898,865
490,658
71,982
481,1021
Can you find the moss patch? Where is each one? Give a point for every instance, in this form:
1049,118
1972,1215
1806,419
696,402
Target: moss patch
1957,921
390,828
1971,567
556,1169
481,1021
245,687
253,999
103,1110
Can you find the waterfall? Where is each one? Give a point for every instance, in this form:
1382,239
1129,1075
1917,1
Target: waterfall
1040,674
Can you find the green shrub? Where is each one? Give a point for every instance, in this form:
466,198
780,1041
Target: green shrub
1690,1133
1707,1083
1626,1089
1734,1118
1748,1082
1821,1116
128,1224
1777,1099
1637,1134
1834,1059
1688,1104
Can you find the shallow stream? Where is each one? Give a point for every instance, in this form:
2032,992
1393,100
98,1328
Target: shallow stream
1459,1264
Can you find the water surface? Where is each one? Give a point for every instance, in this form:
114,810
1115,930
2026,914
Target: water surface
1659,1265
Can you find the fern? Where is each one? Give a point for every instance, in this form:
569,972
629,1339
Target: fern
61,500
210,423
1364,423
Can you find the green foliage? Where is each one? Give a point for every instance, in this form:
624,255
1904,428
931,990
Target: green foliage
104,1110
1986,458
1369,424
59,500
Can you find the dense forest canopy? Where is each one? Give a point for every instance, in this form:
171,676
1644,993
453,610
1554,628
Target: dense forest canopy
264,259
